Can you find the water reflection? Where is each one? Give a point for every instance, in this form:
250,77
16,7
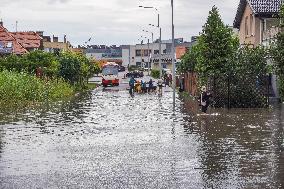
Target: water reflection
240,148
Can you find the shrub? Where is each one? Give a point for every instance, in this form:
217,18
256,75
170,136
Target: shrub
23,89
155,74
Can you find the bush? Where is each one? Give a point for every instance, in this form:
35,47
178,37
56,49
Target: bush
155,74
23,89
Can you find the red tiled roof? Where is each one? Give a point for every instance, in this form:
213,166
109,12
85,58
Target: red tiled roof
6,37
27,39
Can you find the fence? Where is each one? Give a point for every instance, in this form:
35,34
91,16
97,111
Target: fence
235,91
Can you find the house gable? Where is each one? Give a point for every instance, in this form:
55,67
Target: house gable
260,8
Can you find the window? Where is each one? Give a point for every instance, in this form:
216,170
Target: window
246,27
251,24
138,64
145,52
165,51
156,51
138,53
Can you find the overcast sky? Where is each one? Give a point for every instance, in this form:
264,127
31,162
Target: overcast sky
110,21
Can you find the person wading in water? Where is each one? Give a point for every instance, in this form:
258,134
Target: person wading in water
204,99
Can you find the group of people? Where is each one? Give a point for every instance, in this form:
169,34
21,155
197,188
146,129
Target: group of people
144,87
168,79
141,86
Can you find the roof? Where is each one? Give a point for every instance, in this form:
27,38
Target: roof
6,38
260,8
27,39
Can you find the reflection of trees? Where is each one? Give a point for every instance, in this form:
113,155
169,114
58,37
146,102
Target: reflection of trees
241,143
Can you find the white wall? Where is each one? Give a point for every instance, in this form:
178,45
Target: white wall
125,57
133,48
97,56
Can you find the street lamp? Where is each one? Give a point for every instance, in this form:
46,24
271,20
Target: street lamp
173,57
141,50
160,39
152,34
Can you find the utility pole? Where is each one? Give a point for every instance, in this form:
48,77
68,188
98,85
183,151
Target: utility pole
160,52
173,57
148,57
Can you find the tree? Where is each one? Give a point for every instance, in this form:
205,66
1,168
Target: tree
70,67
189,60
217,45
277,54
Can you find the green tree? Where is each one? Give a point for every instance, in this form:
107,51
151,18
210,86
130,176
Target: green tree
70,67
217,45
277,54
189,60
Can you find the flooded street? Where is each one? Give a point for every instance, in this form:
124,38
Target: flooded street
106,139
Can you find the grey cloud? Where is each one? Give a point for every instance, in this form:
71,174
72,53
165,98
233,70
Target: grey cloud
112,21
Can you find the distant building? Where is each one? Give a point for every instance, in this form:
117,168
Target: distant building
30,40
53,45
9,44
138,55
105,53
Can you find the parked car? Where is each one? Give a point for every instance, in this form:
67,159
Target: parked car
121,68
135,74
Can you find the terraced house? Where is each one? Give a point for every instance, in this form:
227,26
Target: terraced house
257,21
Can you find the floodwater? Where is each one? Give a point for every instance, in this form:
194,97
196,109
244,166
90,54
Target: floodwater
106,139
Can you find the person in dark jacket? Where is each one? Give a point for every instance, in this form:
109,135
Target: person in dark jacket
204,99
132,82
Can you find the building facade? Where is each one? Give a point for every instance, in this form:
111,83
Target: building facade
105,53
258,24
254,20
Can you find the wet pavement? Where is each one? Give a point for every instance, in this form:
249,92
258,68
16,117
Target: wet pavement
106,139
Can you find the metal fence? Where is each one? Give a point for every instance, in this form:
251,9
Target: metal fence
235,91
242,91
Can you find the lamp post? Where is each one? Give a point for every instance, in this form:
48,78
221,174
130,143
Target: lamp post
173,57
160,39
152,34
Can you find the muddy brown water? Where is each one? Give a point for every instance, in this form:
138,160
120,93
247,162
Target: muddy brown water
106,139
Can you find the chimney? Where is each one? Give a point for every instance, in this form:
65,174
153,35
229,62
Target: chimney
65,41
55,39
1,22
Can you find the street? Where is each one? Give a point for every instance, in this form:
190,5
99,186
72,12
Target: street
106,139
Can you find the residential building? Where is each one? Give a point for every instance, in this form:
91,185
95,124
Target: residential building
257,21
9,44
141,55
53,44
254,19
30,40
